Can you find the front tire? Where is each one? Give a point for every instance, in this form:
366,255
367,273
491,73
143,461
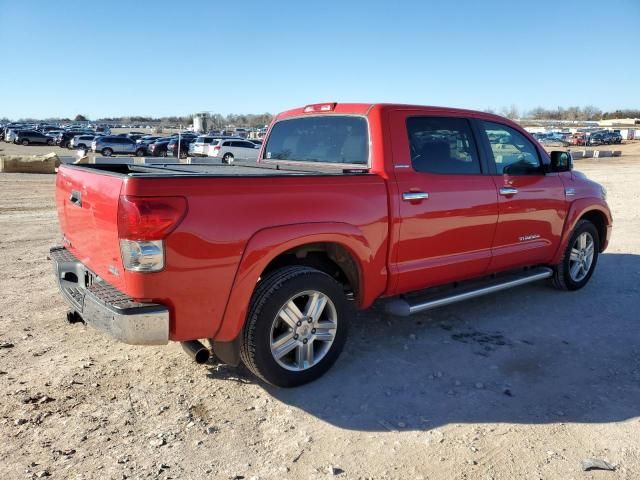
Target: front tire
140,152
106,152
25,142
296,326
579,259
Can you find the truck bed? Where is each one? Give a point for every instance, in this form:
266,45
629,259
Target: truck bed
238,169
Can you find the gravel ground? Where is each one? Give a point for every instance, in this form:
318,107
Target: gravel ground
523,384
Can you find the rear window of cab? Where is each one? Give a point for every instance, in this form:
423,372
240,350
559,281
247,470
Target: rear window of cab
333,139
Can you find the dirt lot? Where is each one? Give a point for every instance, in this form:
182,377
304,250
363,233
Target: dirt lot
523,384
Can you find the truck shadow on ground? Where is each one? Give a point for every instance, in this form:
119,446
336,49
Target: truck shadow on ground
529,355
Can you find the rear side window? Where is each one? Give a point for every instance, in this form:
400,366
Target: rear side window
513,153
442,145
320,139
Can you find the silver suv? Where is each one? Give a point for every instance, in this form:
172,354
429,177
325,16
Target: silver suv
109,145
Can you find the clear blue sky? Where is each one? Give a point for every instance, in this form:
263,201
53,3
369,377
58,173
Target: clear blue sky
110,58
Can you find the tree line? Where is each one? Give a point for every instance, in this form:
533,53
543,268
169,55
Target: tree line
587,113
217,120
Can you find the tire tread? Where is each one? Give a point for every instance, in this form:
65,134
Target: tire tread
266,288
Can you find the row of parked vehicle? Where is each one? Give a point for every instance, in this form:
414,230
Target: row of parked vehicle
227,148
605,137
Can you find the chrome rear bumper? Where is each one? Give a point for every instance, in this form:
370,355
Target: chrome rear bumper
106,308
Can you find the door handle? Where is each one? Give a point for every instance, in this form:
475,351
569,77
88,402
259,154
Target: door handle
412,196
508,191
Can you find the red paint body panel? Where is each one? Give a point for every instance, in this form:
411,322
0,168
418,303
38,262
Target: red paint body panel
203,254
236,225
90,229
448,236
539,208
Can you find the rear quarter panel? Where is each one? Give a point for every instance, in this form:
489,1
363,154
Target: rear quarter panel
224,214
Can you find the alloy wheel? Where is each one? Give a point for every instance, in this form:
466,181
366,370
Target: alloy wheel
581,256
304,330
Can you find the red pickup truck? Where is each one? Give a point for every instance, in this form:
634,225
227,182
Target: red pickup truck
347,204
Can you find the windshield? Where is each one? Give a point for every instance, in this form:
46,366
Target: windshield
321,139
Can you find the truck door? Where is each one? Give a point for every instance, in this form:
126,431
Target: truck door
531,204
447,203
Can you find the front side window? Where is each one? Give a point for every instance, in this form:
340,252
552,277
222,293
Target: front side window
320,139
513,153
442,145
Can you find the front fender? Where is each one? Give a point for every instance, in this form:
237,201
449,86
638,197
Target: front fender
267,244
577,210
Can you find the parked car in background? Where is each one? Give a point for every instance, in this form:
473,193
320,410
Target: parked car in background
103,129
230,150
579,138
183,150
612,137
11,133
597,138
81,141
200,148
147,139
29,137
63,139
108,145
158,148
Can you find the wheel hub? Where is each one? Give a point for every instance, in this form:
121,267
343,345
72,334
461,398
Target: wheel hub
303,330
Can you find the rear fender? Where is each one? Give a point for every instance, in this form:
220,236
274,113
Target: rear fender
267,244
577,210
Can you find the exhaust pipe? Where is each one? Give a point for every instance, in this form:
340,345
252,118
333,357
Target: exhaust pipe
197,351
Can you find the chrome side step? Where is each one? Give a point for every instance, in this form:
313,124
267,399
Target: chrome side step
404,307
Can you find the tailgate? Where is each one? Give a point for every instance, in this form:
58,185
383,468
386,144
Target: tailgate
87,203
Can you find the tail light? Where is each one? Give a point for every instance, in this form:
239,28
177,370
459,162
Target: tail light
216,150
143,223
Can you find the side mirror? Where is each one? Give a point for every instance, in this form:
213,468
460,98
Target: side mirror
560,161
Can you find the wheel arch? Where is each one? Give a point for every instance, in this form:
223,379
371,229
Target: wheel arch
593,209
321,245
599,220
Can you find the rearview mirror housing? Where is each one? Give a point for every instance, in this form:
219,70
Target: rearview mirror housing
561,161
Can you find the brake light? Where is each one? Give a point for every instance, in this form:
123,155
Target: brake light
320,107
149,218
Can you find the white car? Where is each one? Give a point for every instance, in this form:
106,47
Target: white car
229,150
200,147
82,141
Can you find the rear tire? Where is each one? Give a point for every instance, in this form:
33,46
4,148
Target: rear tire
311,338
25,142
228,159
107,152
49,142
579,259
